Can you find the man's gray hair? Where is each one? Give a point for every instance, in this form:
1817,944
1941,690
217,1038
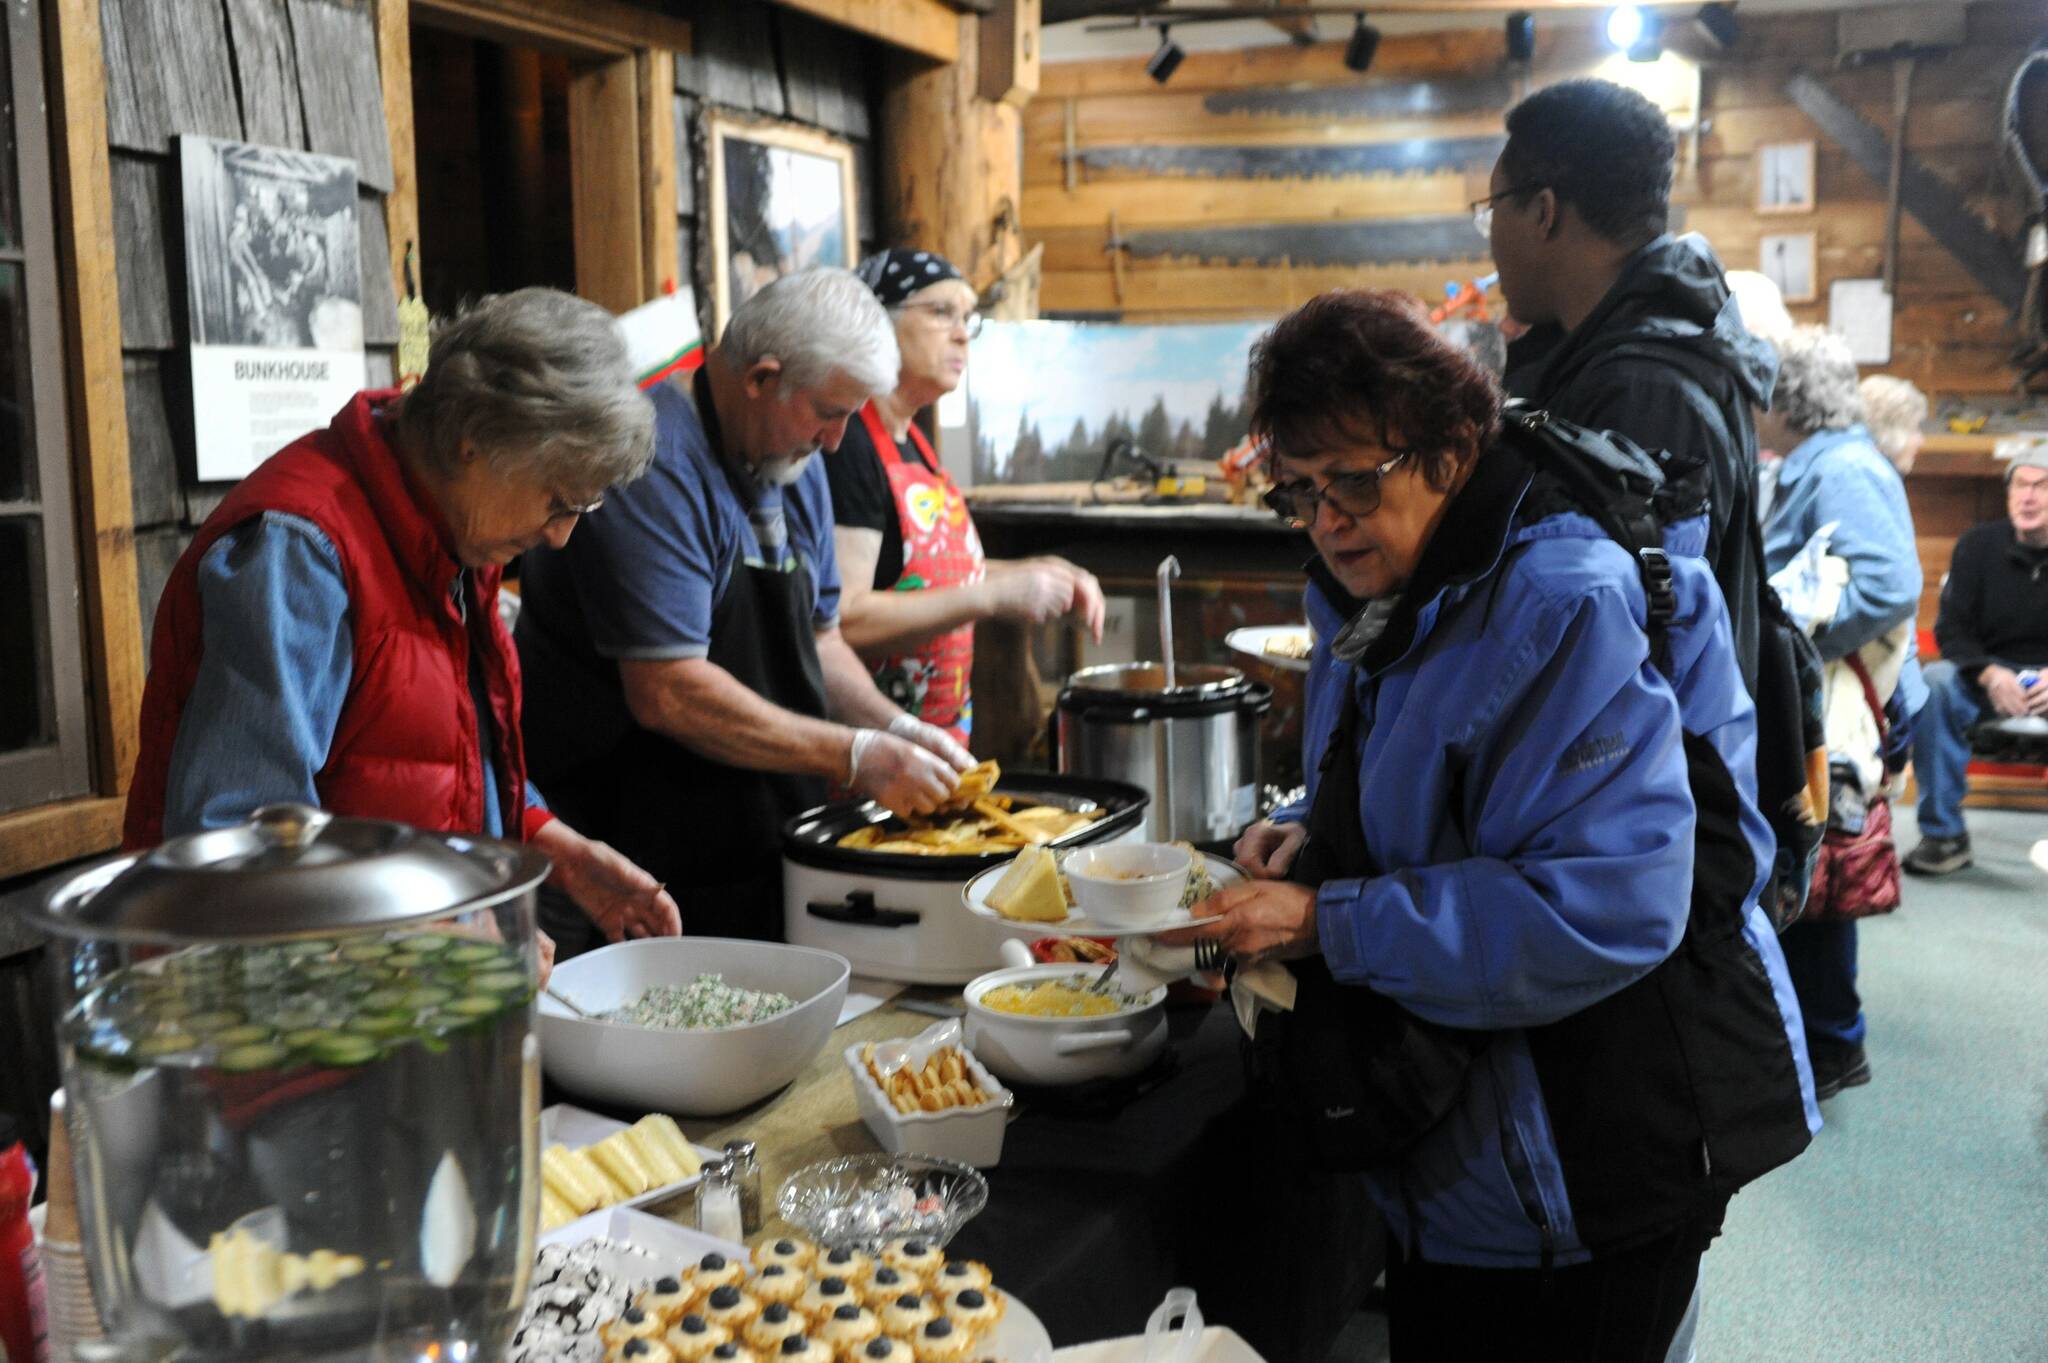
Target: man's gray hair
1894,410
1816,381
538,382
816,323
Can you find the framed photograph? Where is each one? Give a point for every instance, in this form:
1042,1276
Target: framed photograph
1787,259
780,198
1784,177
274,266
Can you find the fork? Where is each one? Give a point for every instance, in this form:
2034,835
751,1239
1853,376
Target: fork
1210,956
1100,984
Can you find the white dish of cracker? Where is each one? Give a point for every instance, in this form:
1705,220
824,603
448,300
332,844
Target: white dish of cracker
951,1106
1287,647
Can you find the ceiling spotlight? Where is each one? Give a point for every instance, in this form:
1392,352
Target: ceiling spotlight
1719,23
1625,26
1363,47
1521,36
1649,46
1161,65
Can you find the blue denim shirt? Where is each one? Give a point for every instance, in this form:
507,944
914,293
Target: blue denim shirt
1840,476
275,670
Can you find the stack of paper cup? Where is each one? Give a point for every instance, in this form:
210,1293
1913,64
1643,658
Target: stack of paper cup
74,1318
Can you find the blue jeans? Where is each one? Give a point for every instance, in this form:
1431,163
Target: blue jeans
1941,749
1820,956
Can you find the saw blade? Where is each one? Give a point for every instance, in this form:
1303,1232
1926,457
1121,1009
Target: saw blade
1390,241
1369,100
1413,156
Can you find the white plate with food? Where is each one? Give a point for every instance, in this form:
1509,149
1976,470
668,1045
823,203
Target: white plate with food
653,1149
1286,647
1031,903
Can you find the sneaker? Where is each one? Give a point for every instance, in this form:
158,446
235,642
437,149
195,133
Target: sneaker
1939,856
1843,1069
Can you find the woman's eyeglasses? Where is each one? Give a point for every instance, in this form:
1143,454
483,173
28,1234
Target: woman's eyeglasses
561,509
1353,494
950,316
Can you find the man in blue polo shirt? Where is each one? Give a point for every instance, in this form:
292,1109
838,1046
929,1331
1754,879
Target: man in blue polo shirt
687,689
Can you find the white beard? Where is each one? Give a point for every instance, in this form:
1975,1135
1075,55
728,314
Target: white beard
783,472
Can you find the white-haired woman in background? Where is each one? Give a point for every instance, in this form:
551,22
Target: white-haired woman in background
1895,411
331,637
1834,480
688,688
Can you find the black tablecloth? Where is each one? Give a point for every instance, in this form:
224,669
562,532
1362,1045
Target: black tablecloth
1093,1214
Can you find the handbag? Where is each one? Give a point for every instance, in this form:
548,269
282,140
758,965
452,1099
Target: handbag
1858,872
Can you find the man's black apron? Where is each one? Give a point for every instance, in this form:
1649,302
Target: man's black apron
712,832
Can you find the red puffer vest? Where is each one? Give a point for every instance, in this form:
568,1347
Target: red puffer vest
406,744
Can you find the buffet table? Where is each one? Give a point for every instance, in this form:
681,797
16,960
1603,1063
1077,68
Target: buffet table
1097,1208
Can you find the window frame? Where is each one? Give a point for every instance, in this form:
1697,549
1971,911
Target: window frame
62,769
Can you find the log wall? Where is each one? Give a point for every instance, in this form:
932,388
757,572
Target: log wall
307,76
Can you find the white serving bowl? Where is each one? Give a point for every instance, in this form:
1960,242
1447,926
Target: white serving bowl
700,1073
1128,884
971,1135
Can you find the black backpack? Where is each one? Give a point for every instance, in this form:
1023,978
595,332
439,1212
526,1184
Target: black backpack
1623,489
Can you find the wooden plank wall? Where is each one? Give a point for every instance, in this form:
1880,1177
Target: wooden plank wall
307,76
1951,338
776,63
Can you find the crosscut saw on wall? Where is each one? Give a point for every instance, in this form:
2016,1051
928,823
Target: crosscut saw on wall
1370,100
1410,156
1445,238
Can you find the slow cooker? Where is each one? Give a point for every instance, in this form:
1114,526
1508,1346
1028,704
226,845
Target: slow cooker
896,916
1194,745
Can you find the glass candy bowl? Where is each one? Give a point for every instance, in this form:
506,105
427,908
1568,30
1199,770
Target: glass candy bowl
864,1201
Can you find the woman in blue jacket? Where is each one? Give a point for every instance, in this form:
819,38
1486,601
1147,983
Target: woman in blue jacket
1531,828
1834,477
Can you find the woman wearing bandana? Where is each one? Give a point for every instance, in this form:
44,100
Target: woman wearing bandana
914,580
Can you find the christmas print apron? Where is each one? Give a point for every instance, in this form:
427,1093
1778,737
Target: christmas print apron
940,549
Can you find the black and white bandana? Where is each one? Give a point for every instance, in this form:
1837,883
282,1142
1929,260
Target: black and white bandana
896,274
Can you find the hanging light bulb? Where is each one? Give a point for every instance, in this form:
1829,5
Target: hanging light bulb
1624,26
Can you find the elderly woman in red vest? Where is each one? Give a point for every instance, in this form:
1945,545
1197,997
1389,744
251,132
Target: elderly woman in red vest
332,637
913,581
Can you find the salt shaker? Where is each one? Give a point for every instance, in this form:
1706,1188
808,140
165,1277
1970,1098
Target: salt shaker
747,1179
718,1202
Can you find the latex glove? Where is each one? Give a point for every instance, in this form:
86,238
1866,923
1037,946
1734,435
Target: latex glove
906,778
2002,687
621,898
932,738
1268,849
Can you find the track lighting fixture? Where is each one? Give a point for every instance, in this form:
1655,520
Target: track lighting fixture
1363,47
1719,23
1521,36
1161,65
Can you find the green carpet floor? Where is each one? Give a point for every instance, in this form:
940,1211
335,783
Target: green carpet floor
1915,1228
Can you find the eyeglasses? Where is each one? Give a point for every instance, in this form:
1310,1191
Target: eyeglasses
1353,494
1482,209
949,316
560,509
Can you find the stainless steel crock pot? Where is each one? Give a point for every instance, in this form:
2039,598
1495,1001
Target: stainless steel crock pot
899,917
1195,745
302,1089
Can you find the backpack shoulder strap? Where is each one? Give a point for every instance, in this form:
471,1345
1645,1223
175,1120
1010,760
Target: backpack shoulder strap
1615,484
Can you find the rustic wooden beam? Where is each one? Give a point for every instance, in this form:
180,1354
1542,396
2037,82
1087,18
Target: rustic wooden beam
586,28
925,27
659,241
951,162
402,204
1009,52
97,402
607,202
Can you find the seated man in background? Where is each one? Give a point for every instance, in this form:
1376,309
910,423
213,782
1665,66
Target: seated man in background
1993,625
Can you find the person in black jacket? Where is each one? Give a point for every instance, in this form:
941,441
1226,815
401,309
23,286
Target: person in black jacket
1992,627
1632,330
